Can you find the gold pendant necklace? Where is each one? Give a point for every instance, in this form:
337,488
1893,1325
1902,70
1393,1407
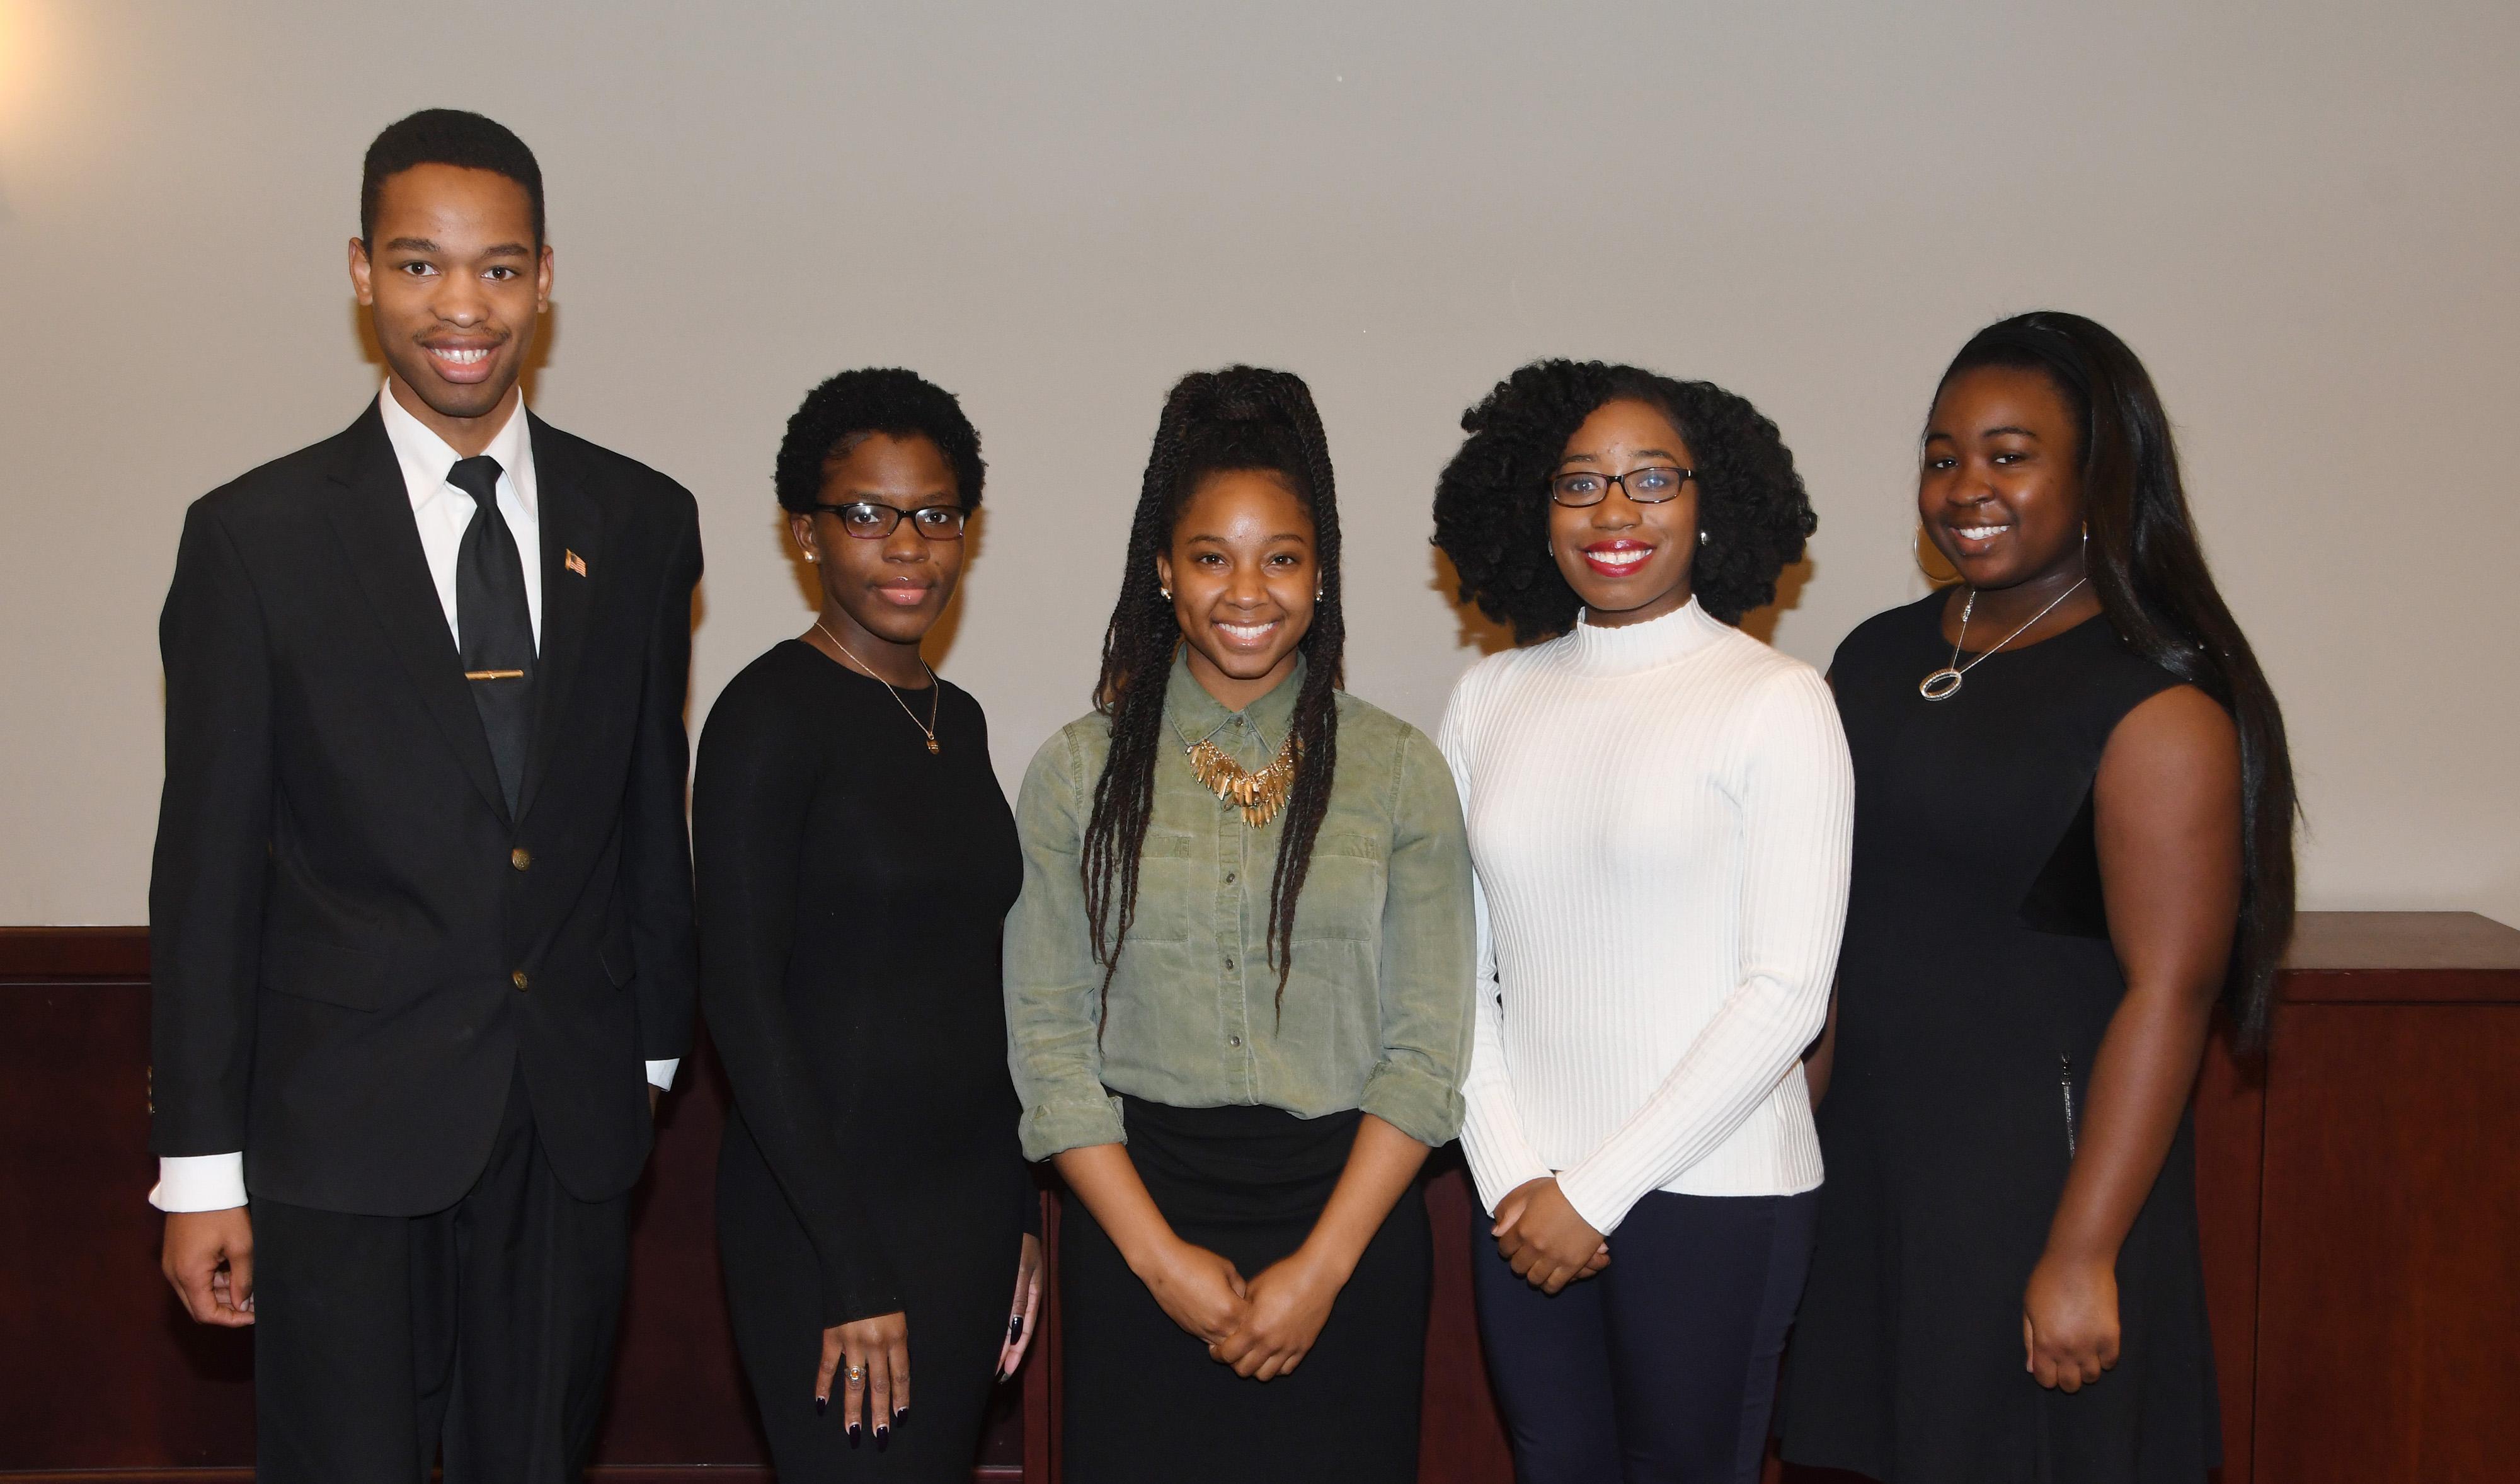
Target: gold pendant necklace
1260,795
935,691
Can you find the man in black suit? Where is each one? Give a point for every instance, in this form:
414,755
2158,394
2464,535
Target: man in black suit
420,910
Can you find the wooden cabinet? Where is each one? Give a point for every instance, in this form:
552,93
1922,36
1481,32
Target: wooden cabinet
2359,1190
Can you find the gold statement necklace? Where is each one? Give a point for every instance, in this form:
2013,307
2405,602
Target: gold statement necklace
1260,795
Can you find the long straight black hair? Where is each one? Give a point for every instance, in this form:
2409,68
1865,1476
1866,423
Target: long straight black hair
2156,590
1240,418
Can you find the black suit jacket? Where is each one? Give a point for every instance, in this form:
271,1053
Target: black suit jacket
354,946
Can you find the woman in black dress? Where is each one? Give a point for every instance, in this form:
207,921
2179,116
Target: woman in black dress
855,860
2072,837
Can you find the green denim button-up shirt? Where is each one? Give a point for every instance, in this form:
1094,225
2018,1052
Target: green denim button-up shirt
1378,1008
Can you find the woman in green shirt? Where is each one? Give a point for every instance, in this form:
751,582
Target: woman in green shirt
1238,985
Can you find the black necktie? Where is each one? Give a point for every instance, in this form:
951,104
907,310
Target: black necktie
498,631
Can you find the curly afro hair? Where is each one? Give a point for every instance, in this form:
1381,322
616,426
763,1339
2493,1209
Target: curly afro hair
1492,502
850,406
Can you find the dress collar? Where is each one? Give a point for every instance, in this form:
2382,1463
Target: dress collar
1633,649
1195,714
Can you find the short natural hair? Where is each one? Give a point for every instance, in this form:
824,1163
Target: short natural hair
447,137
899,404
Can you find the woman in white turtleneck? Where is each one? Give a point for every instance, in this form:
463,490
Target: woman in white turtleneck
1660,810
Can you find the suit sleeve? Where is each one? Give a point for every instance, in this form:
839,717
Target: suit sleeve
749,828
210,869
657,836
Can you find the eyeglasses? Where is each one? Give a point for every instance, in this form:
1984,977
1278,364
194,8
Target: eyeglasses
1646,486
868,522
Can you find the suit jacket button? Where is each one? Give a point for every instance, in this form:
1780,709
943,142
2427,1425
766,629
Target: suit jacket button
520,858
520,977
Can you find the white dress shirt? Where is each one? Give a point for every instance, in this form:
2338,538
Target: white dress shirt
443,513
1661,822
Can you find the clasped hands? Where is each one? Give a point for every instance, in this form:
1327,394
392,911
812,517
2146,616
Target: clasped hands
1547,1244
1262,1327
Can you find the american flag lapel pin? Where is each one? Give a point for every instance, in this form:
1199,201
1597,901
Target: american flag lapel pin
574,562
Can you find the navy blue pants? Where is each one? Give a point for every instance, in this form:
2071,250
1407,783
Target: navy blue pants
1663,1367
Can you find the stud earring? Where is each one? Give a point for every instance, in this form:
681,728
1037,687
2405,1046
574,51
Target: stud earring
1701,538
1167,592
810,557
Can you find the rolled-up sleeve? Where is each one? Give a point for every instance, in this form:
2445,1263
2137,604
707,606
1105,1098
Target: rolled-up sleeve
1429,951
1051,982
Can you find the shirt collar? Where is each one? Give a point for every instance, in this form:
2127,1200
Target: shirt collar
425,457
1196,714
1634,648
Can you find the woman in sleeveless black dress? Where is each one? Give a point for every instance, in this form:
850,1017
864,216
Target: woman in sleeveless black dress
2069,843
855,859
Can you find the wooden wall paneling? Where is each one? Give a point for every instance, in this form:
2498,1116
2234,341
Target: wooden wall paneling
123,1381
2229,1109
103,1367
1461,1438
2393,1202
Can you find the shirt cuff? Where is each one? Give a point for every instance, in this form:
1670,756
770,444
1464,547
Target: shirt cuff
200,1183
1053,1128
1417,1103
1598,1198
1502,1160
661,1073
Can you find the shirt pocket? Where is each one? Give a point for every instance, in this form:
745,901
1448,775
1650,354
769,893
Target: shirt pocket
1342,900
1169,884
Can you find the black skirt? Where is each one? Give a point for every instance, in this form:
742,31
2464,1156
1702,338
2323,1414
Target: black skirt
1144,1402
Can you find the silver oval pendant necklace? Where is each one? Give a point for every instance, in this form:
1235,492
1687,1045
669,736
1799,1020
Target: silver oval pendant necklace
1944,683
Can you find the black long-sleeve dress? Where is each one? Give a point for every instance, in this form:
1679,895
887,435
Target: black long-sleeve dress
852,888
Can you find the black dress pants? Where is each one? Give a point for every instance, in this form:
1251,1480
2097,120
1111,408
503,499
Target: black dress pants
1662,1369
486,1327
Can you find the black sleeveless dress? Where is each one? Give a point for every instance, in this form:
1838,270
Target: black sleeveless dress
1976,981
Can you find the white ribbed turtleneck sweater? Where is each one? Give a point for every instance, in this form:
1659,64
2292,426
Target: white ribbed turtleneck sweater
1660,816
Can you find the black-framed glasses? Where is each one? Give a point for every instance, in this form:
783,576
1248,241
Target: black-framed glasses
868,522
1650,485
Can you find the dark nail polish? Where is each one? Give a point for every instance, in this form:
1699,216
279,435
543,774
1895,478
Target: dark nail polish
822,1404
1015,1329
900,1415
882,1436
853,1434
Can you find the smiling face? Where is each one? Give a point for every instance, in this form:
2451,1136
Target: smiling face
888,589
1628,562
1243,573
453,284
2001,492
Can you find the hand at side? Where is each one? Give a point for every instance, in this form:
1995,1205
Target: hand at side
876,1388
2069,1322
208,1257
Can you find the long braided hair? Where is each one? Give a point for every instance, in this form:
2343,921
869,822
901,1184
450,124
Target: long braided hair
1240,418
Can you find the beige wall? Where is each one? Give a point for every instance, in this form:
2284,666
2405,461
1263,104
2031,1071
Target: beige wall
2303,216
